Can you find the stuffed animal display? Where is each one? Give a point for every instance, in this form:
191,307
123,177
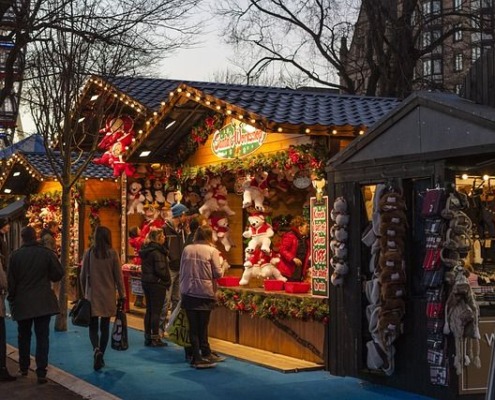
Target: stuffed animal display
221,233
338,243
254,191
135,199
215,198
259,232
261,265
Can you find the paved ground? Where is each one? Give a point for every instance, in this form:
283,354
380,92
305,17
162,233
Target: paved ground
61,385
27,388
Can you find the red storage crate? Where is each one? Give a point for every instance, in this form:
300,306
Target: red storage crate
297,287
228,281
272,284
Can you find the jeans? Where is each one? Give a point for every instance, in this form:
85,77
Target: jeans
198,332
154,294
42,332
99,341
172,298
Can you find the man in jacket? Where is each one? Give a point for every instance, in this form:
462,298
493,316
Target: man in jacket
4,244
32,269
176,230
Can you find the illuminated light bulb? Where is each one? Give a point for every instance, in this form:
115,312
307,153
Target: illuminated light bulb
218,107
253,121
140,131
188,94
148,122
241,116
207,102
361,132
155,113
162,103
179,90
486,177
197,98
334,131
279,129
464,176
115,95
307,130
229,112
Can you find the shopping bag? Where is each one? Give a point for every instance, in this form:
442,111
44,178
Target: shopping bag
81,312
119,331
177,327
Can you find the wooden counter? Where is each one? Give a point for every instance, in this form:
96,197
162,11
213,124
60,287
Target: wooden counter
293,337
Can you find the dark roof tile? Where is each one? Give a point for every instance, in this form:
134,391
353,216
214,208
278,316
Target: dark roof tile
279,105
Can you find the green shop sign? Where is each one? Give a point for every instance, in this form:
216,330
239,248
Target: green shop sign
237,140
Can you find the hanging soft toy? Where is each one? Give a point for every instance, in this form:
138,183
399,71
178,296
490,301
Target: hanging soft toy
215,198
157,192
259,232
221,232
254,190
462,319
114,129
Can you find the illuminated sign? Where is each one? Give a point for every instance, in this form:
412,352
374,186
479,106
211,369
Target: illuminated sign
237,140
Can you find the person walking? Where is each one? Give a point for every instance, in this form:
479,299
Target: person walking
155,279
176,230
48,236
200,267
4,243
32,269
101,277
4,372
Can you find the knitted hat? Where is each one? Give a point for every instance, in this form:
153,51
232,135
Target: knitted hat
178,209
3,222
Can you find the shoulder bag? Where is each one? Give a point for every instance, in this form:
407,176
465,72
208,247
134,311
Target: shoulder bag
81,310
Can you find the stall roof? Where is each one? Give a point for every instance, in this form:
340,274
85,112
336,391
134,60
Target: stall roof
31,144
272,109
24,172
428,126
13,209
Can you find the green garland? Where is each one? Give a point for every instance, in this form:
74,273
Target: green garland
306,156
270,307
94,212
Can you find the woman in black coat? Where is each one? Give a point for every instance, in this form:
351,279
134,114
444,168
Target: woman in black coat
155,279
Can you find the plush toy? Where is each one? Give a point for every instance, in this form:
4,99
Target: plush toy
254,190
135,199
268,265
136,240
152,218
157,191
215,198
192,199
220,227
259,232
114,129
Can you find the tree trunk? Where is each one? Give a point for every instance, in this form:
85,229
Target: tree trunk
61,320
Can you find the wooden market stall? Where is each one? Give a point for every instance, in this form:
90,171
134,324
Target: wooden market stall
95,199
202,140
432,144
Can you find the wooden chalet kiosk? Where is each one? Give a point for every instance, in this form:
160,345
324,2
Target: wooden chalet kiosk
188,137
436,142
29,177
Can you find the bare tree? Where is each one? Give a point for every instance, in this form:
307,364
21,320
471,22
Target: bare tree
72,40
311,37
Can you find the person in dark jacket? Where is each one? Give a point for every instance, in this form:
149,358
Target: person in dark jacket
48,235
176,230
101,277
32,269
155,279
4,244
4,372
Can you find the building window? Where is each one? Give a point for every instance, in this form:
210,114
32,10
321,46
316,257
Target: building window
436,6
457,5
458,33
458,62
458,89
475,4
475,53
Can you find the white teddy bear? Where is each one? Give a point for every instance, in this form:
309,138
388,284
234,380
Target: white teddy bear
260,264
220,230
135,198
215,198
260,233
254,190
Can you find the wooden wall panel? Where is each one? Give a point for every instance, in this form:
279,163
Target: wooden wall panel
49,186
223,324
